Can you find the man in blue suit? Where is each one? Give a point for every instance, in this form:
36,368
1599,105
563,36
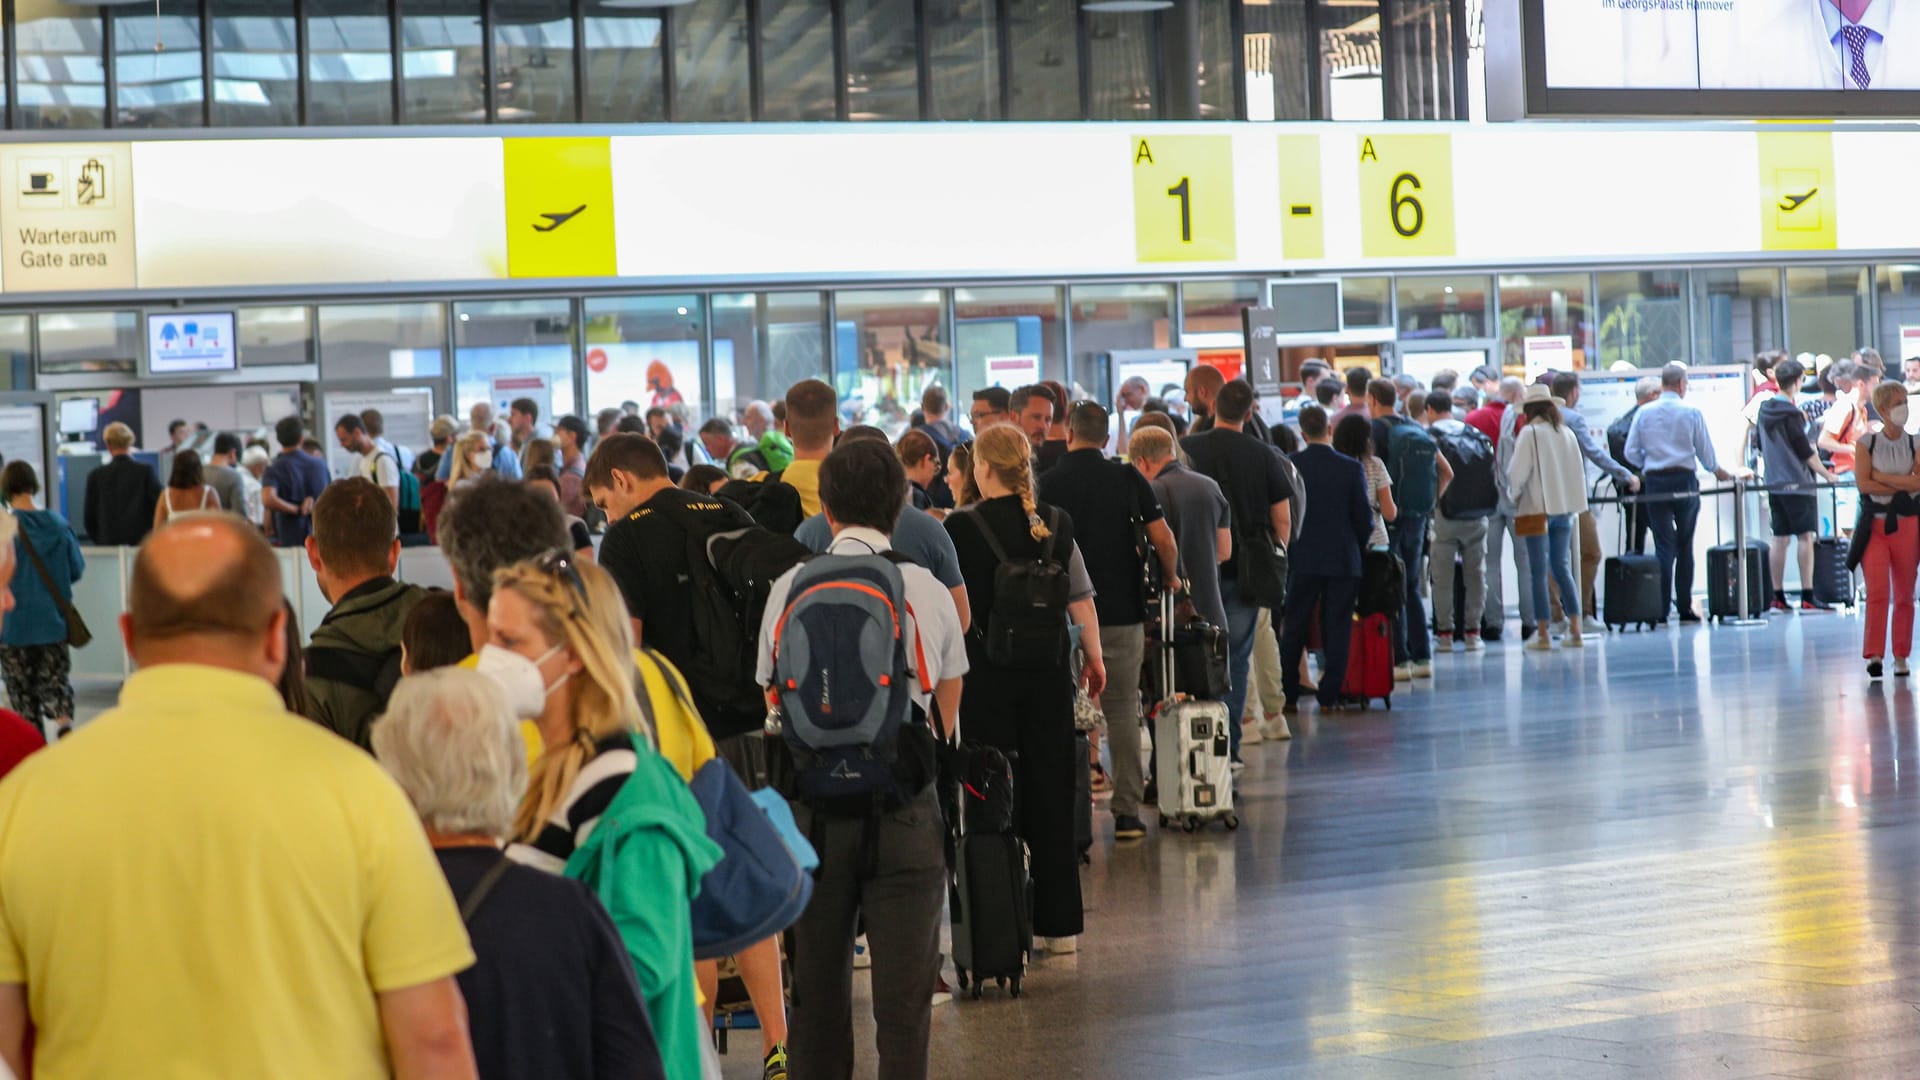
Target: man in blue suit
1325,565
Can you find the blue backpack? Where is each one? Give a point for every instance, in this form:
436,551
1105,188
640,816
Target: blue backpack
841,672
1410,451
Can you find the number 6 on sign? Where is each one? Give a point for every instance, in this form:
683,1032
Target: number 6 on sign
1406,196
1183,198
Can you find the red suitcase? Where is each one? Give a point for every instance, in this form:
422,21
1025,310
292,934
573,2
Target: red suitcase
1370,662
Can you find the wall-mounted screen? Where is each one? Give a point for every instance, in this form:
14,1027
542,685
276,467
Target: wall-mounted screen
1737,58
189,343
79,416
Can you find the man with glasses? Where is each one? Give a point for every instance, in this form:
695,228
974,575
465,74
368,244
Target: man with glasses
990,406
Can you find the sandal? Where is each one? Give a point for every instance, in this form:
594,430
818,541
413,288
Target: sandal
1100,783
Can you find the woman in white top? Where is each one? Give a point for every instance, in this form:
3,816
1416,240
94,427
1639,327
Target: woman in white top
1885,469
1546,477
472,457
186,490
1353,436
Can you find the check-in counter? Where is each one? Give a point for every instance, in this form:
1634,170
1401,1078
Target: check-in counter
101,595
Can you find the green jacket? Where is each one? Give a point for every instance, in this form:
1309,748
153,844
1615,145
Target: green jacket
354,657
644,860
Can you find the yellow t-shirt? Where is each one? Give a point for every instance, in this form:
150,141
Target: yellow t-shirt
201,883
805,477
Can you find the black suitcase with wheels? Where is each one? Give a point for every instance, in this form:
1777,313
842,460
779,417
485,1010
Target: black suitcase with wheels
1632,595
1722,581
1083,795
992,911
1832,581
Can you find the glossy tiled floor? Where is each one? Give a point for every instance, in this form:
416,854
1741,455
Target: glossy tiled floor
1677,854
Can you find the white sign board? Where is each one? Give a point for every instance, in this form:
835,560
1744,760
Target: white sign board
505,388
407,414
1425,365
1909,342
1013,372
1543,354
23,437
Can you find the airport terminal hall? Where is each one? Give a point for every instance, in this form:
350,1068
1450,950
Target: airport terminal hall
959,539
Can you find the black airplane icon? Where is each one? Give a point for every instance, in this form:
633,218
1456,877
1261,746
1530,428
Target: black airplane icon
1793,202
558,220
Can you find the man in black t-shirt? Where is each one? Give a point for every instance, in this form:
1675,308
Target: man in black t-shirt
1257,490
1112,506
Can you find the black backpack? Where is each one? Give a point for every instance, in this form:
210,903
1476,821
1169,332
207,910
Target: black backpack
1617,433
1027,627
730,570
772,502
1475,490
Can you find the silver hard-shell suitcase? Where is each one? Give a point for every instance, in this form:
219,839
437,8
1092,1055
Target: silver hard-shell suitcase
1193,750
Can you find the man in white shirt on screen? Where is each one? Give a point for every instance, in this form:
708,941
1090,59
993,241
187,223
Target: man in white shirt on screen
1812,45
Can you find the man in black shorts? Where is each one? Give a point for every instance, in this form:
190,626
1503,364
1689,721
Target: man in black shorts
1793,469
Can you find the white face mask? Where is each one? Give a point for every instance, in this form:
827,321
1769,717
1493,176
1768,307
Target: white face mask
1898,415
520,679
483,460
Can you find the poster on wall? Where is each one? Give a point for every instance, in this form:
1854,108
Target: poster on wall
1013,372
504,390
652,374
1553,352
1909,342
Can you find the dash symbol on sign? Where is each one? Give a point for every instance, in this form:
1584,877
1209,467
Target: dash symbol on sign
1794,202
557,220
1300,210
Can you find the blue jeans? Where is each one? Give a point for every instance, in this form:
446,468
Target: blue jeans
1554,551
1242,619
1672,522
1408,538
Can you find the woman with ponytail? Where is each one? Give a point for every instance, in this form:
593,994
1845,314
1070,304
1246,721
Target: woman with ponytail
602,805
1026,707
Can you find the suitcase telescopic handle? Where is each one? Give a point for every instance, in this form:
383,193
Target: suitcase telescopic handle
1166,643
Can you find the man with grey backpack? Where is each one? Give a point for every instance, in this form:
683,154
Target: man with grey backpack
862,655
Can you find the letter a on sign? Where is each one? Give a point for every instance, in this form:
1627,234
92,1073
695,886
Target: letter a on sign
1142,153
1367,152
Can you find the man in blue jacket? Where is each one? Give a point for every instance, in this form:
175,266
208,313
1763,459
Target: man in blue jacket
1326,559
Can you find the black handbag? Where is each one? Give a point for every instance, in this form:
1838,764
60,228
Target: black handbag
1383,584
1262,565
78,635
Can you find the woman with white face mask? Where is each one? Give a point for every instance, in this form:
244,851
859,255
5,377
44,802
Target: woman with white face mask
602,806
1886,539
472,459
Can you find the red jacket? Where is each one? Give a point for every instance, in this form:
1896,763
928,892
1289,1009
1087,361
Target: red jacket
1486,419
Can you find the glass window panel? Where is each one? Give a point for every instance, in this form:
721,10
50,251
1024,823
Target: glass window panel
275,336
710,61
1120,51
256,70
1827,309
1216,59
626,70
157,88
1737,314
1109,317
382,341
1277,59
764,343
1366,301
1213,308
1423,60
1001,323
513,337
888,345
63,80
16,352
796,60
442,63
349,62
1899,307
883,82
1442,307
1643,317
90,341
1350,60
646,349
1544,305
1045,69
532,61
964,61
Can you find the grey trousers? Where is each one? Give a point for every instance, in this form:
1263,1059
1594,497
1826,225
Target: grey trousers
1499,528
1468,539
1123,649
901,905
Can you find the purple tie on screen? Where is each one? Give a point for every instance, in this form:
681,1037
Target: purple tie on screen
1857,50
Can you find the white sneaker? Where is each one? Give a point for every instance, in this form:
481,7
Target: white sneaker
1423,669
1559,627
1474,644
1591,625
1403,673
1540,643
1900,667
1443,643
1250,734
1062,946
1277,730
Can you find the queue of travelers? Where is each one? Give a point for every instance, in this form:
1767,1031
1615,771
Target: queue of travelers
490,825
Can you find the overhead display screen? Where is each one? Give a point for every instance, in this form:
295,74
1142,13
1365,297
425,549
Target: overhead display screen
180,344
1724,57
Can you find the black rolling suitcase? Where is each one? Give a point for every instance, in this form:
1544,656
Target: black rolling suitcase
1083,795
992,891
1631,594
1832,581
1722,582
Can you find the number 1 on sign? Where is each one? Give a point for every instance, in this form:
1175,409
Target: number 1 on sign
1181,191
1195,174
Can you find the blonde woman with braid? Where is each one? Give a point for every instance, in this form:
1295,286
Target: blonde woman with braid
602,805
1026,710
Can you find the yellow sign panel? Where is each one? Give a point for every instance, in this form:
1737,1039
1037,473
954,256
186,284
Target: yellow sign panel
1302,232
1799,203
68,210
559,208
1183,198
1406,196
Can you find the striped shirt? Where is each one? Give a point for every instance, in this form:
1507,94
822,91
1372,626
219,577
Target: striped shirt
574,818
